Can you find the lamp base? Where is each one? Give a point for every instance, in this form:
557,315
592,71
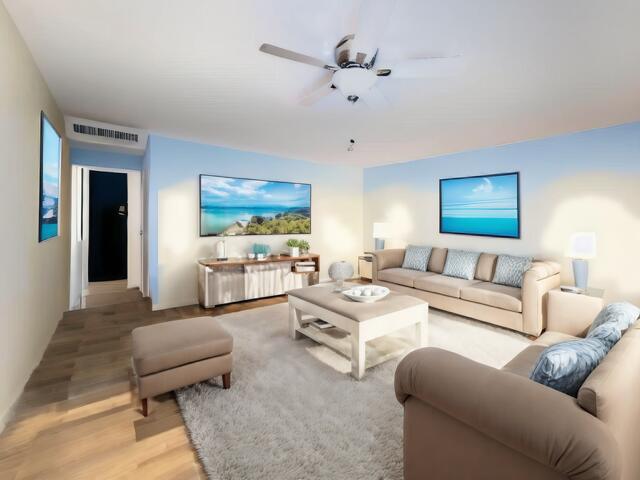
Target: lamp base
581,273
379,243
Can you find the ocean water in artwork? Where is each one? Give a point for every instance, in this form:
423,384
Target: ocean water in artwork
480,206
50,181
233,206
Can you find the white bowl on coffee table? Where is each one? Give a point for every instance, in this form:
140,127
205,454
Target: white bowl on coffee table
366,293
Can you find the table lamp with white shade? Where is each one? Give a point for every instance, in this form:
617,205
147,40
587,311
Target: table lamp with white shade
380,232
582,247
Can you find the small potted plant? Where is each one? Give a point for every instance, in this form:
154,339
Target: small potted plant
294,247
304,247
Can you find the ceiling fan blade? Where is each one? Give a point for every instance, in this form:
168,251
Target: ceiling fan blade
295,56
424,68
317,94
371,25
374,98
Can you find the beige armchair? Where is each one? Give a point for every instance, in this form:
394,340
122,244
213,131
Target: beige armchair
464,420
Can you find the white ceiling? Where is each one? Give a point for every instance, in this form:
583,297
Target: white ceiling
191,69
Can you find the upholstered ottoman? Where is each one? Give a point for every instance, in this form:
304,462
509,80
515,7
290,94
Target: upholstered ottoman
170,355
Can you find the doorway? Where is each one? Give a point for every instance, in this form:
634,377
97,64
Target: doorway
108,213
106,236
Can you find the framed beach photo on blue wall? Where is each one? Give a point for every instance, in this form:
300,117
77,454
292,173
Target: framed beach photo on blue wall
50,160
485,205
244,206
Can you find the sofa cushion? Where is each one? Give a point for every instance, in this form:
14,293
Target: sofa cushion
623,314
523,363
402,276
549,338
486,267
510,270
444,285
416,258
170,344
461,264
499,296
437,260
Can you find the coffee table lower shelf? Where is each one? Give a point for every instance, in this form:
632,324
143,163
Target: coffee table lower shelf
377,351
358,333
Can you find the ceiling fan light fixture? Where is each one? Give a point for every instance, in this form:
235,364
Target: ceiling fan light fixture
354,82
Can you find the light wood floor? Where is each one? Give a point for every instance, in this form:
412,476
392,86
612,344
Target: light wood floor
109,293
79,418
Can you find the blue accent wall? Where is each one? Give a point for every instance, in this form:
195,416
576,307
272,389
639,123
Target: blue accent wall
105,159
172,168
614,149
586,181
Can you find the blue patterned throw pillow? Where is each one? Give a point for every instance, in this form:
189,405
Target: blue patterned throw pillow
461,264
623,314
510,270
416,258
566,365
608,333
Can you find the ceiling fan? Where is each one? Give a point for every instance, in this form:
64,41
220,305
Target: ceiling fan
355,73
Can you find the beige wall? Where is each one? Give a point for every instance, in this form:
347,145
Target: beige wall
582,182
34,291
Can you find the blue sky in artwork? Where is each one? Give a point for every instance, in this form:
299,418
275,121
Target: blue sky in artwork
235,192
50,172
481,197
50,161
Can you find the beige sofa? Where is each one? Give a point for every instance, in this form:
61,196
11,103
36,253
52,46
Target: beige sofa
464,420
522,309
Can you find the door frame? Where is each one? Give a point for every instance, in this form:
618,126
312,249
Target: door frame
79,271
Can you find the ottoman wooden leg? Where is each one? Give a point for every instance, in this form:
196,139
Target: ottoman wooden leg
226,380
145,407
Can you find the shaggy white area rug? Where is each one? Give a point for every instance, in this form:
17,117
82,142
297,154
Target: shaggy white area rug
294,413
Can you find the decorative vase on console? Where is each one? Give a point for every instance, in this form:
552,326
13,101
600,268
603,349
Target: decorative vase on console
221,249
339,272
261,250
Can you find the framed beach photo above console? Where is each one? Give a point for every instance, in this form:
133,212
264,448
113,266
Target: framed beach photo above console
50,160
244,206
485,205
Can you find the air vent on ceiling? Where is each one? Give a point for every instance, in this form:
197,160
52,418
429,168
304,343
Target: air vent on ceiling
82,131
105,132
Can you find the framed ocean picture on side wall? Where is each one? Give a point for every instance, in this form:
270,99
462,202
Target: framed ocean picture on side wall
50,160
484,205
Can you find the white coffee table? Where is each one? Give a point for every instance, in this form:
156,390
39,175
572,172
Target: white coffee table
363,321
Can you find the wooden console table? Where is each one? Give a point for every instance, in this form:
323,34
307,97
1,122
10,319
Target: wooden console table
238,279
